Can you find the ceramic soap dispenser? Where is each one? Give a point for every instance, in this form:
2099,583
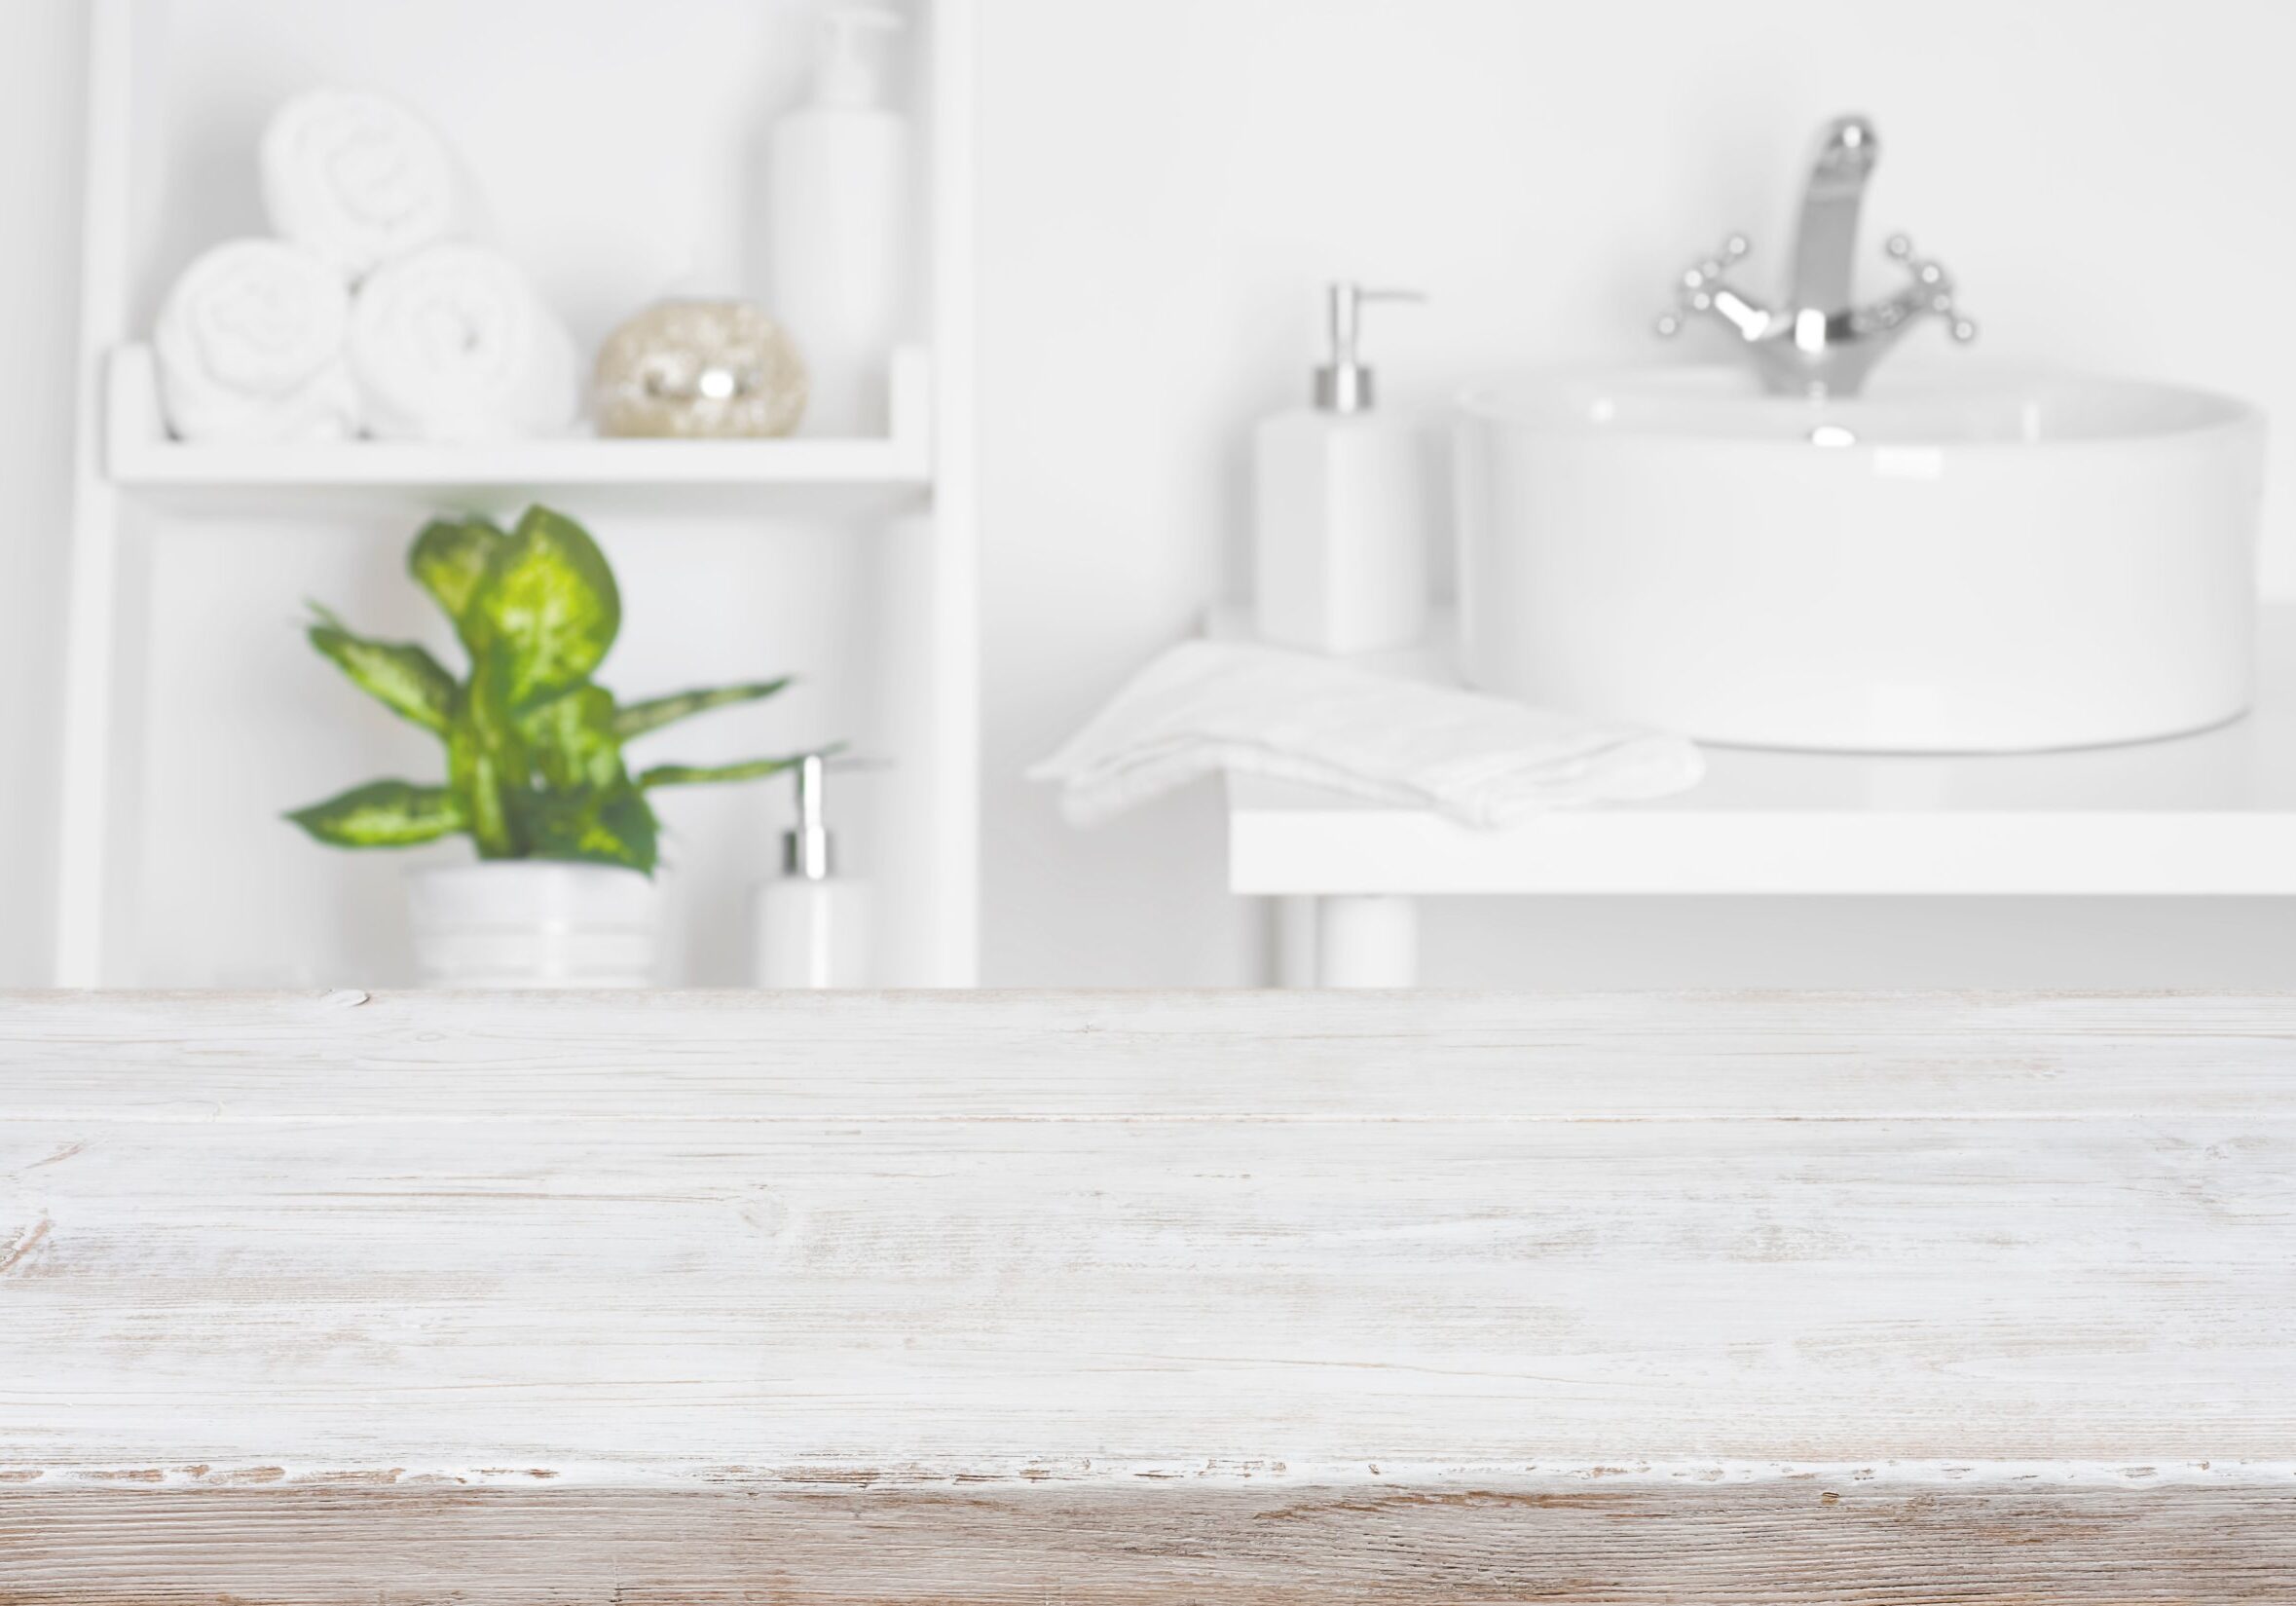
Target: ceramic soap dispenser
1343,507
810,928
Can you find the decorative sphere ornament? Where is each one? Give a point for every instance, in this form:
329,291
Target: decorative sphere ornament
699,370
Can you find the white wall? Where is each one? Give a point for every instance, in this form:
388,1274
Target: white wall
40,136
1165,183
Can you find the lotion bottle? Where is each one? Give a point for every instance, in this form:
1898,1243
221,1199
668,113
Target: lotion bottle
1343,507
810,928
838,211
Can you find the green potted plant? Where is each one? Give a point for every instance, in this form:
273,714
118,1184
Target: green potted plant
564,892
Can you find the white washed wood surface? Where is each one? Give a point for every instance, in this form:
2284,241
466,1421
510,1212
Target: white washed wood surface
1418,1269
987,1234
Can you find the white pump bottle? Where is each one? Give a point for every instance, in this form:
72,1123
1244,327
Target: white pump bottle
1343,507
811,928
840,209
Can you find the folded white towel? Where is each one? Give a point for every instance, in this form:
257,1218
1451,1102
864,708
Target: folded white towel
453,343
1252,710
358,178
249,346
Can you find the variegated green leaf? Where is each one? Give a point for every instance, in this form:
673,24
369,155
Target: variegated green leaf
451,560
383,815
487,765
573,739
547,610
613,825
402,676
644,717
682,774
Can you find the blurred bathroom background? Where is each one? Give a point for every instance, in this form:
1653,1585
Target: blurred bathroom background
1163,184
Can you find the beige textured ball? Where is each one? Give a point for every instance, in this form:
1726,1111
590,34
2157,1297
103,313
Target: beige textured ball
699,370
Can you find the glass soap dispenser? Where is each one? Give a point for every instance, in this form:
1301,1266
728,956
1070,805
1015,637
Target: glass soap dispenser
1343,507
810,928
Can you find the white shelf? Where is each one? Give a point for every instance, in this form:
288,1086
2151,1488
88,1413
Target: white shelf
2210,814
142,458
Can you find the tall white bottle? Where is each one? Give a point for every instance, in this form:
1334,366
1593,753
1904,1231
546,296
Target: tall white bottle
840,214
1344,508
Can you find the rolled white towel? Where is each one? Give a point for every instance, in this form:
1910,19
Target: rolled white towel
358,178
453,343
250,344
1482,761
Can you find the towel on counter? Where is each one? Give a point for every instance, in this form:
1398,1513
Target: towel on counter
453,343
358,178
1252,710
249,347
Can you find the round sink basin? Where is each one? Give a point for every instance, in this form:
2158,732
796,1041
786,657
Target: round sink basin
1959,565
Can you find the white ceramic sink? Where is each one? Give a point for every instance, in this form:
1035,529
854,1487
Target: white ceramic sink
1951,565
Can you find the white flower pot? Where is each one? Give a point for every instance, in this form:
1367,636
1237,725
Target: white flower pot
535,923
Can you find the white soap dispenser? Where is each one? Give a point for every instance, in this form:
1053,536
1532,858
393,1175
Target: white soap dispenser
838,210
810,928
1343,507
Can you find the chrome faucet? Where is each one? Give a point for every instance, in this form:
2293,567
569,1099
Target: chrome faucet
1820,345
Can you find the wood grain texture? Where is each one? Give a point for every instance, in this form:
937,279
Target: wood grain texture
1801,1543
1148,1296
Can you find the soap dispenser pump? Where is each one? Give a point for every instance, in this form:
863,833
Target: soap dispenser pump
1342,506
810,928
1345,384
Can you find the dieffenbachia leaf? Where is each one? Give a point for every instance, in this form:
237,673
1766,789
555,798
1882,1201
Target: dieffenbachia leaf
643,718
383,815
488,765
402,676
611,825
547,611
682,774
572,740
451,560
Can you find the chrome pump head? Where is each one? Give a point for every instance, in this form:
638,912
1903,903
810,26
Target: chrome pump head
808,852
1345,384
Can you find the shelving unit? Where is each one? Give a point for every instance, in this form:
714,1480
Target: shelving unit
140,456
621,156
2212,814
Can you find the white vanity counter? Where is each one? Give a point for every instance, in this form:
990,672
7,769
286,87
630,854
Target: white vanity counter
2213,814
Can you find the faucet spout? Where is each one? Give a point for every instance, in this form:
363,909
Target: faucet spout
1820,343
1824,251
